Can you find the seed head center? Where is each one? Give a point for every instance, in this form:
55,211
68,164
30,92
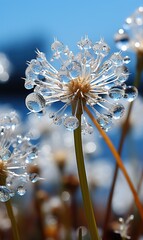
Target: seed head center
79,85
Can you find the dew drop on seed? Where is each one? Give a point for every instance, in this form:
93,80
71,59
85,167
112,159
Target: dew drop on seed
21,190
57,120
74,68
131,93
28,84
117,111
116,93
33,177
5,154
35,66
4,194
126,60
87,128
71,123
35,102
105,122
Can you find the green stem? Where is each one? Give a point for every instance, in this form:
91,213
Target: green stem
80,234
124,133
83,181
9,207
13,221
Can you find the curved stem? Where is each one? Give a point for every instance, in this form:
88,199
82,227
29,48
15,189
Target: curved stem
124,133
118,160
13,221
125,129
83,181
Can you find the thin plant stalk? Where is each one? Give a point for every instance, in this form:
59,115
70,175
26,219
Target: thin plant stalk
80,234
8,205
83,180
13,221
125,128
118,160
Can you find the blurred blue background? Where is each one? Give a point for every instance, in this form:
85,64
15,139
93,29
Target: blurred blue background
27,25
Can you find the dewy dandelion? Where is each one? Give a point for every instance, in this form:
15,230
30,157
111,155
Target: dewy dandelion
16,153
84,78
131,35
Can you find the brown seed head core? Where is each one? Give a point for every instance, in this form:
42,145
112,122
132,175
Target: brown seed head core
79,85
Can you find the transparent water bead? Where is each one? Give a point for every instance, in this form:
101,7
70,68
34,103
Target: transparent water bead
32,153
87,128
5,154
131,93
35,66
126,59
101,48
30,75
117,59
117,111
57,120
4,194
21,190
85,43
28,84
57,46
122,73
74,68
35,102
105,122
122,40
33,177
116,93
71,123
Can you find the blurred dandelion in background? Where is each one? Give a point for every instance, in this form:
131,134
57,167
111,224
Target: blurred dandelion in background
131,35
16,153
5,68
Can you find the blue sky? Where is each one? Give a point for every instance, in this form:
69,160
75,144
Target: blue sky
66,20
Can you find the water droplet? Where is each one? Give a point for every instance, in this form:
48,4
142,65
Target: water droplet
117,59
122,40
5,154
101,48
21,190
32,153
126,59
57,46
74,68
4,194
87,128
85,43
28,84
105,122
30,75
51,115
35,102
122,73
116,93
71,123
57,120
117,111
131,93
34,177
35,66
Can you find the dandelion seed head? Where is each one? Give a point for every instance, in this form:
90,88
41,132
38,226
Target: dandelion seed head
16,153
82,79
131,36
124,226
